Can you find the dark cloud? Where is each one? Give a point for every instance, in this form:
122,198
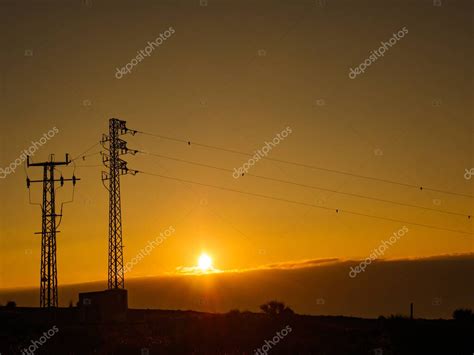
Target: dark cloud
435,285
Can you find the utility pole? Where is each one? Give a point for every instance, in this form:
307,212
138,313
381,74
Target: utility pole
48,272
117,167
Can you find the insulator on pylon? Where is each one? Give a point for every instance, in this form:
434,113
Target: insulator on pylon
61,179
28,182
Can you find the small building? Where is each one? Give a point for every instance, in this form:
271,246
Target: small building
103,306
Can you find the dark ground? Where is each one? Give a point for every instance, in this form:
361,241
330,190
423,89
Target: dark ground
187,332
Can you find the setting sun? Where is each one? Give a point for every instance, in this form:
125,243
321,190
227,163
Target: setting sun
205,262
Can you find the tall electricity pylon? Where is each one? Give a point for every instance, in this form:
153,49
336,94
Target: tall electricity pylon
117,167
48,272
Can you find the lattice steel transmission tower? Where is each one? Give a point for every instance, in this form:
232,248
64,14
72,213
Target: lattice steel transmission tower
48,272
117,167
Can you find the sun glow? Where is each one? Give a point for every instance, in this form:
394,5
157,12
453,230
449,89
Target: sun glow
205,262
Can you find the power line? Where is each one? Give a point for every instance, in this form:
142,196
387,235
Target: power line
88,166
89,155
335,171
82,155
311,186
337,210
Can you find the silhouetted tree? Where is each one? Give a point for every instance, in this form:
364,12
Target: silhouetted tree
463,314
275,308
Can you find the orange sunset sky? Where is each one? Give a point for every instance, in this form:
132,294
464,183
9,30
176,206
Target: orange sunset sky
234,75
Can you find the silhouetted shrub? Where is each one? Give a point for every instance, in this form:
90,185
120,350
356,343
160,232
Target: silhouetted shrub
233,313
463,314
275,308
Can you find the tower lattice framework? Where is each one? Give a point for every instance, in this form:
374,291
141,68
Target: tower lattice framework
115,147
48,268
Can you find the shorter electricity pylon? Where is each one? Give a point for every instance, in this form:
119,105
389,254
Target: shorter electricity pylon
48,272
